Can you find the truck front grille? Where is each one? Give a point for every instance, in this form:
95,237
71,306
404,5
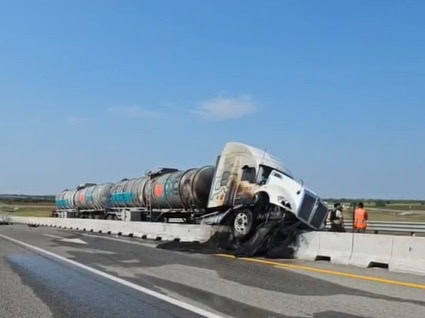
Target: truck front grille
307,206
319,215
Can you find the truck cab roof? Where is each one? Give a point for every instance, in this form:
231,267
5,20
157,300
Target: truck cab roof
261,156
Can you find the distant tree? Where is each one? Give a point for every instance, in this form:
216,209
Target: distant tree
380,203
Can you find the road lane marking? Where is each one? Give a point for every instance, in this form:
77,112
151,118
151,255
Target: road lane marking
325,271
53,236
121,281
73,240
69,240
151,244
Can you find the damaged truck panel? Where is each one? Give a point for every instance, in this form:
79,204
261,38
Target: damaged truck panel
240,170
294,197
259,188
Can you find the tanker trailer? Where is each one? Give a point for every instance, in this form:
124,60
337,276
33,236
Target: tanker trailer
246,189
182,190
65,203
93,201
163,194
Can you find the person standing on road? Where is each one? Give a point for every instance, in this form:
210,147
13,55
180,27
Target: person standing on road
360,219
336,218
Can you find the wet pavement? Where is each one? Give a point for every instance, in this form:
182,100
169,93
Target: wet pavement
227,287
69,292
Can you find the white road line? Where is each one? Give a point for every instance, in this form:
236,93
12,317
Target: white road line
69,240
151,244
73,240
54,236
144,290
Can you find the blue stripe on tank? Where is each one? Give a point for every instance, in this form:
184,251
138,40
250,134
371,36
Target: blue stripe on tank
122,198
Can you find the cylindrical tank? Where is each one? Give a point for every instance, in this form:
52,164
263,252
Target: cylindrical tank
94,197
129,193
172,190
166,191
195,187
66,200
182,189
176,190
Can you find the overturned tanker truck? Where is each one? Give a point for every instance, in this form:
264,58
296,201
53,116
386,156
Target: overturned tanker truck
247,187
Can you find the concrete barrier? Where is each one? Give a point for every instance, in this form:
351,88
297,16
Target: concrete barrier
408,255
307,246
397,253
371,250
336,247
155,231
3,220
402,254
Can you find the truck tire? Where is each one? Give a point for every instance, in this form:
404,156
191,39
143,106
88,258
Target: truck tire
243,223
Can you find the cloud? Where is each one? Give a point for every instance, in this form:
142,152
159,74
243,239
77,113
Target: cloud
133,112
222,108
76,120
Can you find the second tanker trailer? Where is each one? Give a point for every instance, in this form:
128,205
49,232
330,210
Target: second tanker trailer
247,187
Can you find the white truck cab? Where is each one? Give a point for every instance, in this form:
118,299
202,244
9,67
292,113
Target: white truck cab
246,176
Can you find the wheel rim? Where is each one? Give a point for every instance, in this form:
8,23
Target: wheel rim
241,223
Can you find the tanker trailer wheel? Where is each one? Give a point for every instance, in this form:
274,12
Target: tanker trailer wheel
243,223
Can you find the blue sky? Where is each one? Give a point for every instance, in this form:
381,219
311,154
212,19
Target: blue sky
102,90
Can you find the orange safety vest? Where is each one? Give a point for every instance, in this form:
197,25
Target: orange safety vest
360,219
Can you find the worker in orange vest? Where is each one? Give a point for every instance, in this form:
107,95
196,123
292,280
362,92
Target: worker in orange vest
360,218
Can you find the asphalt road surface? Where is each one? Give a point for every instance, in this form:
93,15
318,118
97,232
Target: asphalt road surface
47,272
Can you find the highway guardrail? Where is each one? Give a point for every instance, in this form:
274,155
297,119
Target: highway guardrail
409,228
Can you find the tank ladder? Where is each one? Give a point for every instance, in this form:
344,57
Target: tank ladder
149,199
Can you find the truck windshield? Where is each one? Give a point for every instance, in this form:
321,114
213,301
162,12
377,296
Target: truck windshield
264,174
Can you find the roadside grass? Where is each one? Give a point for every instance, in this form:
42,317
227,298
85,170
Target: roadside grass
406,206
391,212
387,215
25,211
